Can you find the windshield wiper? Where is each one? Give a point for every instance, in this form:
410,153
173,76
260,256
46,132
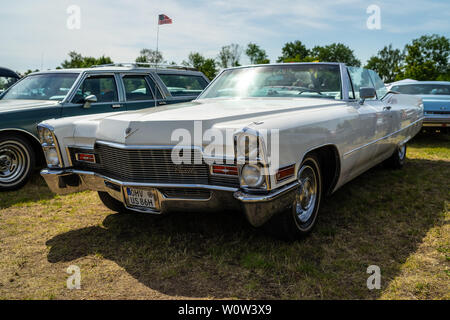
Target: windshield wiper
301,89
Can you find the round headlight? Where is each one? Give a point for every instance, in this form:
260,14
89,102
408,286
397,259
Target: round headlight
52,156
252,175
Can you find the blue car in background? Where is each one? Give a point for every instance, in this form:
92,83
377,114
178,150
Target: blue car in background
436,100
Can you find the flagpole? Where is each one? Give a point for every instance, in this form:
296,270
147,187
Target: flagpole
156,62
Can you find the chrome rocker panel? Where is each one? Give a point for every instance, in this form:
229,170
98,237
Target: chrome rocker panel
258,208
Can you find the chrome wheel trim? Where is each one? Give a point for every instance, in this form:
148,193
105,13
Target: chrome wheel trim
14,162
306,194
402,152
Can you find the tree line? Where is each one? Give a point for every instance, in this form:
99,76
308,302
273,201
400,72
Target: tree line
424,58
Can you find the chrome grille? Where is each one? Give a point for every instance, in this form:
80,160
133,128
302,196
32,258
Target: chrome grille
184,193
225,181
150,166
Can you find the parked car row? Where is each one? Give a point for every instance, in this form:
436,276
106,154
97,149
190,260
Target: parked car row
80,92
270,140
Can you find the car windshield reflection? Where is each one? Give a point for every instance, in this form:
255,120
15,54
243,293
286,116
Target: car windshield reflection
289,81
52,86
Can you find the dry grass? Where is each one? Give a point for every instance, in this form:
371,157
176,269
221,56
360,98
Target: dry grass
398,220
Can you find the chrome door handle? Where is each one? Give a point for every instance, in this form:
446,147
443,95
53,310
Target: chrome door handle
387,108
115,106
162,103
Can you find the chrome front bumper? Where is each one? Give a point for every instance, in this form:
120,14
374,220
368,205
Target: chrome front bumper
258,208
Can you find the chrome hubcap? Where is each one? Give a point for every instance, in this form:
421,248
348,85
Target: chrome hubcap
402,151
306,193
12,162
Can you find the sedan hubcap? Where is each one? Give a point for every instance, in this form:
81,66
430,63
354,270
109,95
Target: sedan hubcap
12,162
306,193
402,151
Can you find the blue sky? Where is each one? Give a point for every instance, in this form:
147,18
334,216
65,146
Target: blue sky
34,33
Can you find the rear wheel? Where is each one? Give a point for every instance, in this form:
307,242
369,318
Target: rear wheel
300,219
397,160
17,161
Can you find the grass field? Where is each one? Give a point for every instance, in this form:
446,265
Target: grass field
397,220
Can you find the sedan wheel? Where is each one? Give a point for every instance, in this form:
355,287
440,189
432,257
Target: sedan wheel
308,195
16,162
397,160
301,218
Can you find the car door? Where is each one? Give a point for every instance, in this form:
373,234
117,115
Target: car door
390,113
138,92
103,87
374,123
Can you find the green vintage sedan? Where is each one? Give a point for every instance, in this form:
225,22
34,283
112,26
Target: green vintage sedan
73,92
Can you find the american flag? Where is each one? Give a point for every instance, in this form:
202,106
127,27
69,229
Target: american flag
163,19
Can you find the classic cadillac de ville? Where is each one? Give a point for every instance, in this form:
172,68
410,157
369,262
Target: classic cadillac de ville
270,140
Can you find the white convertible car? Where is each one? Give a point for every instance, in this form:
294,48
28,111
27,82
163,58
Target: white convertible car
270,140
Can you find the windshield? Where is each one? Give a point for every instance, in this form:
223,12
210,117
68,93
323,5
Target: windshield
51,86
439,89
305,80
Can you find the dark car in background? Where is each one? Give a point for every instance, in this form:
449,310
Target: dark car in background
436,100
7,78
73,92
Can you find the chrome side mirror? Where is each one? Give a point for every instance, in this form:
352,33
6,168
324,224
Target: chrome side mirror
366,93
88,100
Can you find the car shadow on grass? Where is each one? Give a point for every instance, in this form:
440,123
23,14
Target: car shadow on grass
380,219
35,190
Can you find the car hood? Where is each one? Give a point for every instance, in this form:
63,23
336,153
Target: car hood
158,126
14,105
436,102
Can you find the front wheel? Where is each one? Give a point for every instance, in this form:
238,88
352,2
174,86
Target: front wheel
300,219
17,160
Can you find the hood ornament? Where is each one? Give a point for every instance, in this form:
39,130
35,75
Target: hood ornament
129,131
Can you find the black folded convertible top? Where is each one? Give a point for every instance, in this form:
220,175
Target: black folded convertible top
4,72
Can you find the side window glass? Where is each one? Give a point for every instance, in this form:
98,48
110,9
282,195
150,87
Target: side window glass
103,87
154,88
136,88
379,84
360,78
184,85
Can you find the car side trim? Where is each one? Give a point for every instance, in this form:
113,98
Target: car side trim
385,137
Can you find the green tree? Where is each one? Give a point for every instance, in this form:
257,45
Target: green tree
387,63
229,56
28,72
150,56
256,54
78,61
427,58
207,66
335,52
294,52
